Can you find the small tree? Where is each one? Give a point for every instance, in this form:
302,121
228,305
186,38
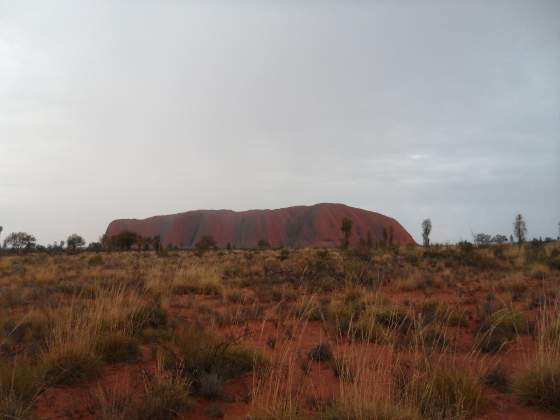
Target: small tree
346,228
263,244
75,242
482,238
426,230
1,229
157,243
519,229
20,240
205,243
95,246
124,240
384,236
499,239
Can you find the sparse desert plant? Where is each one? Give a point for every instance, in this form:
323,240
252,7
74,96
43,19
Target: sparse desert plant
29,334
211,386
446,393
343,369
63,318
368,329
19,387
199,353
95,261
368,410
197,279
499,328
115,348
166,395
497,377
70,366
113,403
149,315
204,244
539,385
321,353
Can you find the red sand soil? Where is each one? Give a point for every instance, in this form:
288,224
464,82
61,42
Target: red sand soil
71,402
299,226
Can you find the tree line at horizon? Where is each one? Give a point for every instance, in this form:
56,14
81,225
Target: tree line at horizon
128,240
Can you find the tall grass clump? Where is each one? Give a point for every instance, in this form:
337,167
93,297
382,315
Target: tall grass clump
499,328
197,279
444,392
539,384
83,335
207,359
19,387
165,396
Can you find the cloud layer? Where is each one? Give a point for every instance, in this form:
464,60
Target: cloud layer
448,110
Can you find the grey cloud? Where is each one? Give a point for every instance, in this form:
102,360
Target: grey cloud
441,109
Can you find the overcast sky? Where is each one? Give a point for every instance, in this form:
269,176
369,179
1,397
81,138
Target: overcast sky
441,109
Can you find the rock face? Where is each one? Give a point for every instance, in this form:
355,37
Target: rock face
299,226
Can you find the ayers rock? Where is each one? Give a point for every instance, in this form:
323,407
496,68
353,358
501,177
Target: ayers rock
298,226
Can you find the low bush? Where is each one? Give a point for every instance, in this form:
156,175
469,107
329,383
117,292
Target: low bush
367,410
165,397
200,353
197,279
433,310
147,316
499,328
210,386
117,348
446,393
498,378
19,386
321,353
70,366
540,385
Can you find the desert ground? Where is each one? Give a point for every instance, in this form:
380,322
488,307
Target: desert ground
409,332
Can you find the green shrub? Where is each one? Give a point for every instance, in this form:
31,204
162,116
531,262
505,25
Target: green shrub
390,317
148,316
29,334
211,386
540,385
434,338
554,262
284,254
200,353
447,393
321,353
433,310
70,367
117,348
498,378
308,310
19,386
165,397
367,410
12,407
499,328
95,261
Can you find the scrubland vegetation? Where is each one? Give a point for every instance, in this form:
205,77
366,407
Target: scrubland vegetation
439,332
